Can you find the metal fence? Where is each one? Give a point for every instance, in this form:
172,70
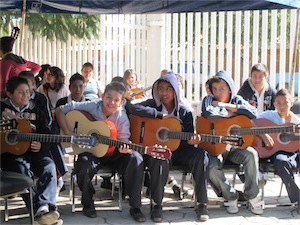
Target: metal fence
196,45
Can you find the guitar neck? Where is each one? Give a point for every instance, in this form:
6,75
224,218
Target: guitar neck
49,138
187,136
263,130
114,142
141,91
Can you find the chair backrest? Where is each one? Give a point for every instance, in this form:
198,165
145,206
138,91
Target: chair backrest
13,183
296,108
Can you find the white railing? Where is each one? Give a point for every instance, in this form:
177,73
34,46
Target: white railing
201,43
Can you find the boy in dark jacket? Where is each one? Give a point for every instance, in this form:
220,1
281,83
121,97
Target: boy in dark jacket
166,103
36,161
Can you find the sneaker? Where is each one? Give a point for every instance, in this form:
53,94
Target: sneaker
202,212
58,222
177,191
256,206
232,207
48,218
137,215
156,213
90,211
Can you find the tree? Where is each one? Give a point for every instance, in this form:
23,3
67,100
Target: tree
52,26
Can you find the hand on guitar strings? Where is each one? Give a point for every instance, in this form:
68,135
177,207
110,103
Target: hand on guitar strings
125,149
35,146
195,139
267,139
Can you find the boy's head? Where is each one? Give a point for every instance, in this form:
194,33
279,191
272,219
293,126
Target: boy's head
283,101
259,75
222,86
29,76
113,97
120,80
17,89
76,86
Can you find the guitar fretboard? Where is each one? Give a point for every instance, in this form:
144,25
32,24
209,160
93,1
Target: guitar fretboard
262,130
113,142
50,138
187,136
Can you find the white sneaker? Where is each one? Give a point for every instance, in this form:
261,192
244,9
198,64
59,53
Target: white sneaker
232,207
256,206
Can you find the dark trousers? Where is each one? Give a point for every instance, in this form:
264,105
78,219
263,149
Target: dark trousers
39,165
285,170
196,159
131,166
159,172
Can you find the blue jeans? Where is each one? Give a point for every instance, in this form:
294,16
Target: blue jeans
249,159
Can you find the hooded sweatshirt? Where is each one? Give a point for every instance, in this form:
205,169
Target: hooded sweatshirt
244,108
153,107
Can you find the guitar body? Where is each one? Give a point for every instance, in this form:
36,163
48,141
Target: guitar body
145,131
282,141
222,127
21,147
138,93
85,124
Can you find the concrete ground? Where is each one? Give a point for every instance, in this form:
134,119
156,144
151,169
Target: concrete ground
278,210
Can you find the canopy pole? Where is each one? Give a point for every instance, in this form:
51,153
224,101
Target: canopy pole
294,59
22,26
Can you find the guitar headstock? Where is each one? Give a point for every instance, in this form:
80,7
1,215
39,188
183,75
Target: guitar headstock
233,140
159,152
8,124
84,141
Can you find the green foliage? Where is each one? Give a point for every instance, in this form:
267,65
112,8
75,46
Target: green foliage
57,26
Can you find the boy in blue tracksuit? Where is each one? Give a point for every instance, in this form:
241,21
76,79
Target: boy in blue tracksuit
225,103
166,103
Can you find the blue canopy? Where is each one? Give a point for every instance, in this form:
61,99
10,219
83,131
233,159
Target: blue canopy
143,6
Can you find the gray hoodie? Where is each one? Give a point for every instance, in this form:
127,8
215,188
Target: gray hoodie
244,108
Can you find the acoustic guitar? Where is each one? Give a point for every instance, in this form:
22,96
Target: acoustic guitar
285,141
16,137
106,133
139,92
236,126
146,131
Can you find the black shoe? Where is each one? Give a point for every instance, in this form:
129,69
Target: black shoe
90,211
137,215
202,212
241,196
156,213
106,184
177,191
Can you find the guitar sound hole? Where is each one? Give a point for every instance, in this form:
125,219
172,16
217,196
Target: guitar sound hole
284,137
163,134
11,137
235,131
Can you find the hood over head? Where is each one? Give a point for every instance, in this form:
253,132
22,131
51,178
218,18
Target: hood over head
171,78
222,74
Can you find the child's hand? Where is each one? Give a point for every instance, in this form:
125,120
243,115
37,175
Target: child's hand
267,139
195,139
125,149
9,116
35,146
